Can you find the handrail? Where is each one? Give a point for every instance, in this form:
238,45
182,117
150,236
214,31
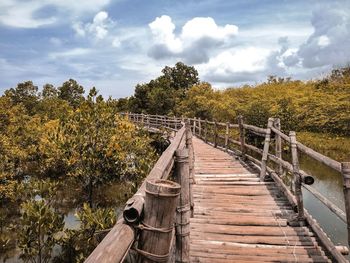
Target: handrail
305,179
117,243
121,237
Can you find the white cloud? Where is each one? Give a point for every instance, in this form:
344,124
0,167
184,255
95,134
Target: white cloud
163,32
329,44
98,29
200,27
70,53
198,37
24,14
235,65
323,41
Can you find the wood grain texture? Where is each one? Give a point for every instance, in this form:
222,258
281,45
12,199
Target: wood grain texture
239,219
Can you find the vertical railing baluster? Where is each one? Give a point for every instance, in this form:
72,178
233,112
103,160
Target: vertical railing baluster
278,145
296,175
215,134
242,136
206,131
226,135
345,170
266,150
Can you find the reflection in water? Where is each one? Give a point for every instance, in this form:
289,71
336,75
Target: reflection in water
330,184
66,200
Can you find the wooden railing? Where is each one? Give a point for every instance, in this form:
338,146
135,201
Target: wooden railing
147,224
139,213
219,135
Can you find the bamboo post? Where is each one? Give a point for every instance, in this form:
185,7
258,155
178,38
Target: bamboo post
189,146
206,131
297,177
194,126
157,226
226,135
242,136
266,150
200,128
345,170
142,119
184,208
215,134
278,145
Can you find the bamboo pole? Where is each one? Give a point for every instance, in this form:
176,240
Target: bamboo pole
200,128
345,170
194,126
242,136
278,145
160,206
215,134
189,146
266,150
182,173
226,135
206,131
297,177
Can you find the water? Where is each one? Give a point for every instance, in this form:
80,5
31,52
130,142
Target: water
330,184
67,200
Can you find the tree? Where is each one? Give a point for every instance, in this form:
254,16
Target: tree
94,144
49,91
72,92
26,94
163,94
181,76
39,224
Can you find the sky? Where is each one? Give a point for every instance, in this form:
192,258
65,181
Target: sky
115,44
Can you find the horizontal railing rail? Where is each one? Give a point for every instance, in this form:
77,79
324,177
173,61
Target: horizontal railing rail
232,138
139,220
207,130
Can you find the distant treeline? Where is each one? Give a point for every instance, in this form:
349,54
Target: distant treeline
317,105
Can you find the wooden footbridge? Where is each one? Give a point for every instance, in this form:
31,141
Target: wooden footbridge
214,197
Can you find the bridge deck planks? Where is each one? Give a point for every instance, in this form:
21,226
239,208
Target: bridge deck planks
239,219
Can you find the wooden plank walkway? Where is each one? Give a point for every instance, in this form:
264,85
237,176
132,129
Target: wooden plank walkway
239,219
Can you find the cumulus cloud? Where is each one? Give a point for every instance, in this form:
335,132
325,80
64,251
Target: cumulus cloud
329,44
195,42
98,29
34,14
236,65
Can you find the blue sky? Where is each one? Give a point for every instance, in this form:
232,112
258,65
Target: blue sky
115,44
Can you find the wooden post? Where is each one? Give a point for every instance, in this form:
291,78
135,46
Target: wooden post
215,134
278,145
242,136
297,177
175,123
142,119
157,228
194,126
199,127
266,150
182,252
226,135
345,170
206,131
148,121
189,146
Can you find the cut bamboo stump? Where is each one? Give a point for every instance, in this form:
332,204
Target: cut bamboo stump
158,223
